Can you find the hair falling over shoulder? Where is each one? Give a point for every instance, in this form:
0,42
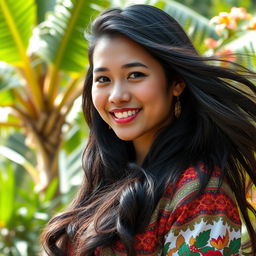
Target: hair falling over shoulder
216,127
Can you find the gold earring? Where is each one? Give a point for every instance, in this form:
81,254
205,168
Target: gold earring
177,108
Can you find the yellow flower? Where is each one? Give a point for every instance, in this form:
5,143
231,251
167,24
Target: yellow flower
230,20
224,20
220,242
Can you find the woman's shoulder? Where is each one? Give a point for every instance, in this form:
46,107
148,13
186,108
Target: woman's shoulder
186,194
189,183
185,204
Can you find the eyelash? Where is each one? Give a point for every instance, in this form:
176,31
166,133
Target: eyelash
139,75
100,77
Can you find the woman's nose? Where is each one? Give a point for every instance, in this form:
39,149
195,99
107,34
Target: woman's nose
119,94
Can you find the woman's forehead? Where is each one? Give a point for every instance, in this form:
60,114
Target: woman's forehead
120,49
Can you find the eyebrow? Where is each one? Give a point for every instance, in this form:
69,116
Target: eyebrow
128,65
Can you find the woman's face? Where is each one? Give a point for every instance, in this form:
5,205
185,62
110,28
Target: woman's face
130,89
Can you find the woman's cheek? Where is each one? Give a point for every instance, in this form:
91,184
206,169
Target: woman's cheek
99,103
96,98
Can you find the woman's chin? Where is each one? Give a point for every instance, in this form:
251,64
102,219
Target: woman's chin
125,136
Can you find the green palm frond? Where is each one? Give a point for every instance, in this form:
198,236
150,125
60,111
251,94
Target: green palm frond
196,25
250,56
70,169
8,78
17,158
17,18
62,34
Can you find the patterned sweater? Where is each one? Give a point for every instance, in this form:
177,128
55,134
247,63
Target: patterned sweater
208,225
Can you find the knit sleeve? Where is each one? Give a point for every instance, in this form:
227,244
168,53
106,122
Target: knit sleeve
208,225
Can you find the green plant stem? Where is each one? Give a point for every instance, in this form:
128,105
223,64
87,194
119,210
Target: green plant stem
27,104
10,124
68,93
52,87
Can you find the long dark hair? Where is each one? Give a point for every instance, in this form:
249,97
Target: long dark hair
216,128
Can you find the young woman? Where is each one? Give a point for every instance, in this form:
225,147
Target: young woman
172,140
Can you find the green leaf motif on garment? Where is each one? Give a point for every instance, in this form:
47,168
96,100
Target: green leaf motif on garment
234,245
206,249
226,252
203,244
184,250
202,238
166,247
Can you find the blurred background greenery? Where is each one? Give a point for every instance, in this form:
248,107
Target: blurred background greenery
42,66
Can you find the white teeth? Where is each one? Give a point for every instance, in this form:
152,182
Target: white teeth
125,114
118,115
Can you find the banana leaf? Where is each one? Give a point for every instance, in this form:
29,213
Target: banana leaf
62,34
196,25
17,18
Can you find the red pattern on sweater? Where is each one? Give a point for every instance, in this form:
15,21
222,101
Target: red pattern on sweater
211,203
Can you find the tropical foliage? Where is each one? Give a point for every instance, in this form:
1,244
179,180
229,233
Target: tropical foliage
236,30
22,213
209,8
42,65
41,78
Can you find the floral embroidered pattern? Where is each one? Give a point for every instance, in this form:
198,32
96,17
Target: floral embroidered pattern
221,246
208,225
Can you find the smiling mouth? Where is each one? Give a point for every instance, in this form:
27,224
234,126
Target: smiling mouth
125,114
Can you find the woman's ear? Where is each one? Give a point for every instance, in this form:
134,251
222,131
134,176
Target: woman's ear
177,88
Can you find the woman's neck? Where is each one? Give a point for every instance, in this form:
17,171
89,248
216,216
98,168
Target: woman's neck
142,147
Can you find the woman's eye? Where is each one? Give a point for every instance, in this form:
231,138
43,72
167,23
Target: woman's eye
102,79
135,75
